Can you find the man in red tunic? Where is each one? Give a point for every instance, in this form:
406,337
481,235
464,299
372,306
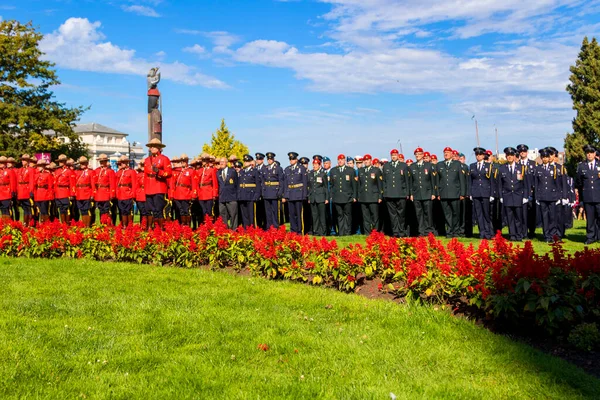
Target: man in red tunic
11,167
64,188
126,190
157,169
85,186
8,189
140,196
185,189
208,187
105,186
25,185
43,192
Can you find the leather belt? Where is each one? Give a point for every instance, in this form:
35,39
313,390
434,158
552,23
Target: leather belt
248,185
63,186
42,186
83,186
185,186
298,185
125,185
103,186
205,184
272,183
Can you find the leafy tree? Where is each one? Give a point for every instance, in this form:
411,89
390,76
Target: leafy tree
224,144
585,93
28,109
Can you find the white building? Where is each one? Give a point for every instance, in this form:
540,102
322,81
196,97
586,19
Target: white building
101,139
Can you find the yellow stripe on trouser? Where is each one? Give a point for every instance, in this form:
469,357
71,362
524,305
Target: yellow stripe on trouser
254,213
164,209
278,212
302,217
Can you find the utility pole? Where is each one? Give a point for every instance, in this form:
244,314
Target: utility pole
497,150
476,130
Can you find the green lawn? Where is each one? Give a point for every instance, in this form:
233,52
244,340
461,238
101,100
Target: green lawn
80,329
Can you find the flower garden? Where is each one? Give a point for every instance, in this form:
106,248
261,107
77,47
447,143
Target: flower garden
506,285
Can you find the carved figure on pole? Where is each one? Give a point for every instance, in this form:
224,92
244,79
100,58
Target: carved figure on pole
154,105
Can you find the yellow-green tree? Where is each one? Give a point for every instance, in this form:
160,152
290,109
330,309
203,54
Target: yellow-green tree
224,144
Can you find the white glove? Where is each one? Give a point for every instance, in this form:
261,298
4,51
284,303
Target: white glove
492,198
565,202
537,202
471,198
501,200
557,202
525,201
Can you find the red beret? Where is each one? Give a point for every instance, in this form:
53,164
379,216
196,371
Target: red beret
367,157
341,157
394,151
409,160
375,160
448,149
418,150
489,152
434,157
455,152
316,161
400,155
426,154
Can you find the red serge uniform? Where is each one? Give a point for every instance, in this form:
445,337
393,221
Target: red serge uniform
44,187
105,184
127,182
64,183
25,183
8,184
186,184
140,193
208,186
85,184
157,182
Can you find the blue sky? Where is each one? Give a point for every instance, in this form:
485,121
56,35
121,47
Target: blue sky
323,76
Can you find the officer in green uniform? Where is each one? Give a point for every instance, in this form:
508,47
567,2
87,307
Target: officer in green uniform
396,190
452,188
370,194
422,189
343,194
318,196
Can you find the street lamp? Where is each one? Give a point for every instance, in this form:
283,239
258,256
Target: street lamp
131,159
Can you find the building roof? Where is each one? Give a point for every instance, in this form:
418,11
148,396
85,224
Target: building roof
94,127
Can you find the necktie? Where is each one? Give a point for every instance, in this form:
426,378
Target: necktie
447,163
479,168
591,166
224,173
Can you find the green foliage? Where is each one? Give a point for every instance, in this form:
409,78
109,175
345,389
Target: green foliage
85,329
224,144
585,337
27,106
585,93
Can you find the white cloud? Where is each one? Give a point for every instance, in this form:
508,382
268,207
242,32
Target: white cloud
141,10
222,41
195,49
78,44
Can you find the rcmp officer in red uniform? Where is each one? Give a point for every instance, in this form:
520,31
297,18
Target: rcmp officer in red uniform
25,186
158,170
85,187
8,189
43,192
105,186
140,195
127,181
185,189
208,187
64,188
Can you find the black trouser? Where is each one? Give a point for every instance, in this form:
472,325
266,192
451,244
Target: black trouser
331,219
397,216
307,225
514,219
356,223
272,213
344,218
319,219
206,209
424,212
260,215
592,213
228,211
439,218
530,216
247,211
560,220
370,214
15,209
155,204
467,221
496,210
295,210
182,207
549,219
451,209
481,206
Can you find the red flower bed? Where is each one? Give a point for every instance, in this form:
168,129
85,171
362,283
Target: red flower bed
512,285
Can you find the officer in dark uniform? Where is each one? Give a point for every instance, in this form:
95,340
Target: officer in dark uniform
343,194
466,206
513,181
422,191
452,188
228,194
370,194
272,190
249,191
529,209
295,184
396,190
587,182
260,216
329,210
482,192
549,192
307,225
318,196
564,210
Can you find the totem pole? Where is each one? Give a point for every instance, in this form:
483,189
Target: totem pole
154,106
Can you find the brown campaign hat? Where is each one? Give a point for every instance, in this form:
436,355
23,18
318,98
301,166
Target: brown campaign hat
155,143
82,160
25,157
11,159
233,157
41,161
70,161
184,157
102,157
123,159
3,159
52,165
62,157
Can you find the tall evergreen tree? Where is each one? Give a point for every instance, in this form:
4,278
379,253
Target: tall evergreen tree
27,106
585,93
224,144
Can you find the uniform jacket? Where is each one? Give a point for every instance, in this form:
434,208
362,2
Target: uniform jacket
550,182
127,181
531,170
44,186
272,182
228,185
106,184
295,183
250,185
465,169
422,180
343,186
396,180
8,184
25,183
85,184
587,181
64,183
157,182
451,180
140,192
318,186
185,184
208,184
482,181
512,187
370,185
